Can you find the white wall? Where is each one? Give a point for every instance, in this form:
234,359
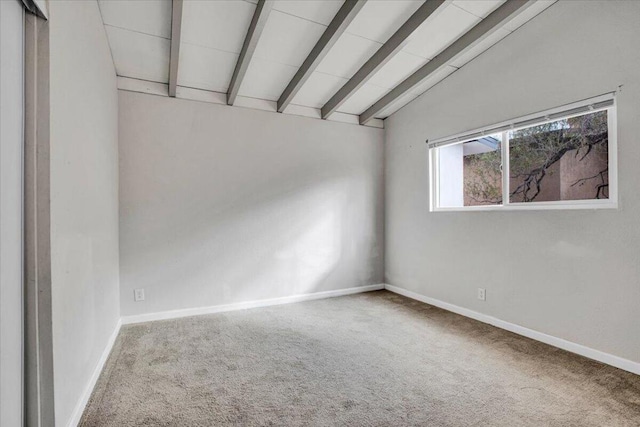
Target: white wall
84,198
11,201
221,205
570,274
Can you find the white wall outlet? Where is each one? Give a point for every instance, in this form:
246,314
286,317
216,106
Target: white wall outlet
482,294
138,294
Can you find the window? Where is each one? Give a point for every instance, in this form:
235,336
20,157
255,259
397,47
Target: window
560,159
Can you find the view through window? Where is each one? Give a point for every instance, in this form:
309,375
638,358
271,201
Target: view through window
562,160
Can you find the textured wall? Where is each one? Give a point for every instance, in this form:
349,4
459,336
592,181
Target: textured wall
570,274
221,205
84,198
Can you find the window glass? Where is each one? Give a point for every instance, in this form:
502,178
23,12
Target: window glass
562,160
470,172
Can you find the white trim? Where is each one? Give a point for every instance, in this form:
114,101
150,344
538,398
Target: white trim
505,167
162,89
187,312
434,180
612,123
600,356
88,390
538,206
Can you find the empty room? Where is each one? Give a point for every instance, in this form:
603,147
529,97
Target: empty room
320,213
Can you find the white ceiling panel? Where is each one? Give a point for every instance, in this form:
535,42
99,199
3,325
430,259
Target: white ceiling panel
204,68
436,34
266,79
366,96
138,55
219,25
401,66
287,39
528,14
480,8
318,90
480,47
320,11
151,17
379,19
348,55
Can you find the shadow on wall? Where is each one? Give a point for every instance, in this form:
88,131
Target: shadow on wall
258,244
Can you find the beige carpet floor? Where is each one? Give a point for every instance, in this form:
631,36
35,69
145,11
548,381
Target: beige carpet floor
374,359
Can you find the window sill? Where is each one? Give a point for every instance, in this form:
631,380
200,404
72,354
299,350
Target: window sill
537,206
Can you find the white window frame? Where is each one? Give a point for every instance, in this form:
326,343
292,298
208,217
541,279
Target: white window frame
610,203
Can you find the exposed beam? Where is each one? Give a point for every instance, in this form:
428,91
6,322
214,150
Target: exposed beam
338,25
481,31
176,31
383,55
258,22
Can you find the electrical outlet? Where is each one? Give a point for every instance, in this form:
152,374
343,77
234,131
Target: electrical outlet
482,294
138,294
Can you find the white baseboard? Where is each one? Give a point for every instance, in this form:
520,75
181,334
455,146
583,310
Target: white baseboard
86,395
600,356
173,314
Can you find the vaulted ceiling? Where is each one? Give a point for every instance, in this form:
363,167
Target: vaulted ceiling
359,59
